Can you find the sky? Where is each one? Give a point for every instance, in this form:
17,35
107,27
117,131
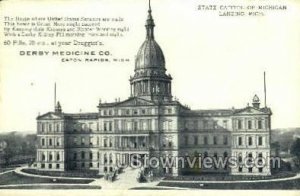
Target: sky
216,62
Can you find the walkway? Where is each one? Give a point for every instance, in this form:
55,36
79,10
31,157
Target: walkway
19,171
127,180
38,185
297,176
8,171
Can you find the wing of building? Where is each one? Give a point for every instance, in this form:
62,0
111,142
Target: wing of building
152,124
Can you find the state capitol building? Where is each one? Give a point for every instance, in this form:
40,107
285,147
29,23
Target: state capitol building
151,123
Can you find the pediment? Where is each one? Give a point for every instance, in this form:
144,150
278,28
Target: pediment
50,116
135,102
249,111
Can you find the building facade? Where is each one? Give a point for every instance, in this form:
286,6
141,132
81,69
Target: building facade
151,123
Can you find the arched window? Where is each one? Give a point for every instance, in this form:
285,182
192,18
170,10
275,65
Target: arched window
57,157
225,154
50,157
105,158
43,157
240,159
110,158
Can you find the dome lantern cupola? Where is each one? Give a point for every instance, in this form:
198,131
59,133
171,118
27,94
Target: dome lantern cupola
150,80
255,102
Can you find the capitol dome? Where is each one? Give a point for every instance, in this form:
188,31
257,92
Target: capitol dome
150,55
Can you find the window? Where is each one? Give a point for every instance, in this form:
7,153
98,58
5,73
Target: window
57,127
57,166
135,126
170,143
215,155
82,140
50,157
42,165
105,142
225,124
127,112
75,140
250,156
215,140
205,140
259,124
164,144
43,142
195,140
259,160
104,112
260,141
50,142
110,112
74,156
50,127
249,124
105,158
110,126
57,157
110,158
225,154
82,155
43,157
143,111
260,170
169,111
91,164
215,125
186,140
240,169
82,165
225,140
240,141
43,129
91,155
135,112
250,141
205,124
105,126
240,159
250,169
240,124
50,166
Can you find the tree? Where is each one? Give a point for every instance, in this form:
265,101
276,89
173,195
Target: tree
295,150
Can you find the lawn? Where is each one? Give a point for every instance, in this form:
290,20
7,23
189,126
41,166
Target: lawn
281,185
5,169
80,174
54,186
14,178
